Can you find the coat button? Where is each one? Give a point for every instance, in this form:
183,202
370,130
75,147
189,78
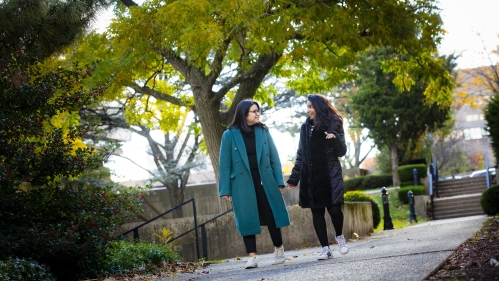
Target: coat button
267,166
267,154
241,172
237,161
235,148
264,142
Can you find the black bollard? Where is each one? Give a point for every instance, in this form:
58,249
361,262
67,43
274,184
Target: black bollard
412,214
415,175
387,219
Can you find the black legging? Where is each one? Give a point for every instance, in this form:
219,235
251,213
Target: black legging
266,214
320,222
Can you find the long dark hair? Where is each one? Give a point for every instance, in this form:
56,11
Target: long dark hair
326,114
242,111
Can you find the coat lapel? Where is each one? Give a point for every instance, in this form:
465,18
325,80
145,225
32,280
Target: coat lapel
238,138
259,141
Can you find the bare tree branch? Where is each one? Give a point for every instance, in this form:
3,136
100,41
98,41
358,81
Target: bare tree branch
156,94
133,162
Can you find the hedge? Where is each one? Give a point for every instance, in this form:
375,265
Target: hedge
359,196
367,182
405,172
407,183
416,190
490,200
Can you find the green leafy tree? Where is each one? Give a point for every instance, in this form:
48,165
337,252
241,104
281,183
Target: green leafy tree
220,52
394,117
41,142
491,113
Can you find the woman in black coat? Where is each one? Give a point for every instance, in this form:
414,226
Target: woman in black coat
318,170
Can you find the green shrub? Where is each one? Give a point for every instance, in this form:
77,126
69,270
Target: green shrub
377,181
66,229
353,184
490,200
416,190
407,183
124,256
24,269
359,196
367,182
405,172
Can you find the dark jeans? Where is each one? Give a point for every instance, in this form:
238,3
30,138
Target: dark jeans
320,222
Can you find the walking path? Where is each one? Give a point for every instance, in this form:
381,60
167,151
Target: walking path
410,253
376,191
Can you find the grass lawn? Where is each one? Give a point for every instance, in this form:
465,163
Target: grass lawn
398,211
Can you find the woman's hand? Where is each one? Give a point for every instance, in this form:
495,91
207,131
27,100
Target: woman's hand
281,189
329,136
227,197
290,186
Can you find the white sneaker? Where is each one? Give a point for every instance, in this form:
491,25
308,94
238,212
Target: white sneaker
251,263
326,253
342,243
279,255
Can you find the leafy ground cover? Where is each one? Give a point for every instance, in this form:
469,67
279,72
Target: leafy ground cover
476,259
162,270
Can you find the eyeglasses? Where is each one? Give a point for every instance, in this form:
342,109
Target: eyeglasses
256,111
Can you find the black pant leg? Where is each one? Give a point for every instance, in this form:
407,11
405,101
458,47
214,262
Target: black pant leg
250,243
266,214
336,218
320,225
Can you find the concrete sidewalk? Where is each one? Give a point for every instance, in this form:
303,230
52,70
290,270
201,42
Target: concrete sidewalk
410,253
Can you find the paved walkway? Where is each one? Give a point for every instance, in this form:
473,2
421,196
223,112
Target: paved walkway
410,253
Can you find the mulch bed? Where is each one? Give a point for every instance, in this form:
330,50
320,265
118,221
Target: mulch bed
476,259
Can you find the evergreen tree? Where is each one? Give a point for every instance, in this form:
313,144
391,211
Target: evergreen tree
40,143
394,117
491,113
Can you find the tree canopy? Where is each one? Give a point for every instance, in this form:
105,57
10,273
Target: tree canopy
394,117
219,52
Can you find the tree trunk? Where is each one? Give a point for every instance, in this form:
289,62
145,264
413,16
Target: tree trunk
395,163
209,116
211,123
177,195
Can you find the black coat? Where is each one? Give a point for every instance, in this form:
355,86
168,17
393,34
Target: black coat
317,167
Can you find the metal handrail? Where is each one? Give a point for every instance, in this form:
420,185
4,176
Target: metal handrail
155,218
135,230
204,240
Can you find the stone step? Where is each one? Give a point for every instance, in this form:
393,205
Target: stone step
458,199
446,184
464,185
456,215
462,181
457,208
461,191
461,188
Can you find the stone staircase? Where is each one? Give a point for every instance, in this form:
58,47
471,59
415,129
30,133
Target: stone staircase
459,198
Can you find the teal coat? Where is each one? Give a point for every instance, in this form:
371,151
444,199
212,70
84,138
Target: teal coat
234,179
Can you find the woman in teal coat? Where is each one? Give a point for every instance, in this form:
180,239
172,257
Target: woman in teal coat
250,175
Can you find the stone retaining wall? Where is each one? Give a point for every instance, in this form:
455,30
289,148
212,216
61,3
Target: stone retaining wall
223,241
